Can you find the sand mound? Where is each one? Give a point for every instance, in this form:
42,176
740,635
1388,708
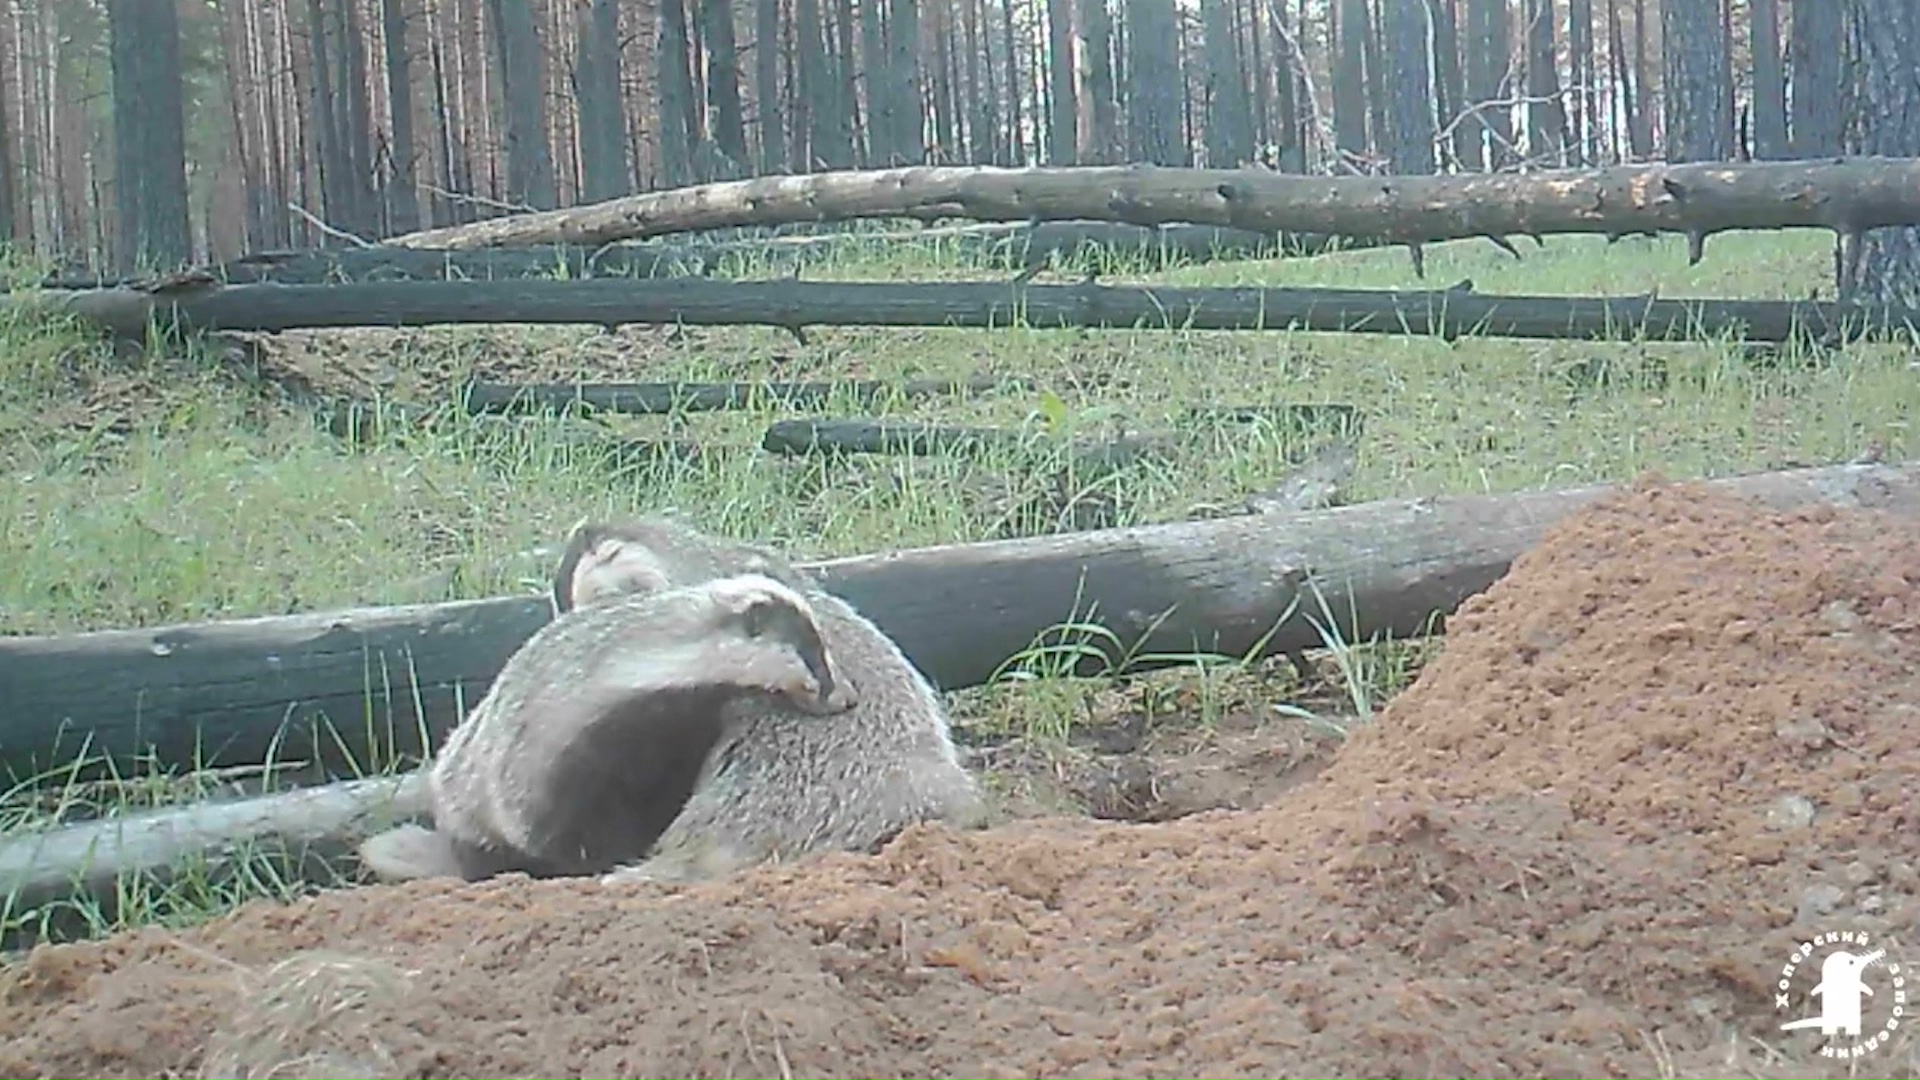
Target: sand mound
1677,740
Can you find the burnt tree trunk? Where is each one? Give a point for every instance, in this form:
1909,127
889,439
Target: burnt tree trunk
1489,60
1410,98
1640,114
1699,116
769,121
357,125
10,219
1819,55
1154,86
1769,82
723,85
1885,268
1451,81
676,95
522,74
1546,120
1350,77
1378,108
1102,127
330,138
907,143
149,135
1063,108
604,170
1229,122
1014,148
403,189
1584,120
1449,313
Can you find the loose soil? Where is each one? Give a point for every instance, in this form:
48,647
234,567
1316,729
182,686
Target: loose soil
1679,738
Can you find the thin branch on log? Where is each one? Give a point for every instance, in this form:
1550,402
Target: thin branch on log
228,692
1450,313
997,246
91,858
489,397
1696,198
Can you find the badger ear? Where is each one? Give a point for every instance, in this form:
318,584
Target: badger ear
757,616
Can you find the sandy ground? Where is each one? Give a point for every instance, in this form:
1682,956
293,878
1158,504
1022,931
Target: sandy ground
1681,737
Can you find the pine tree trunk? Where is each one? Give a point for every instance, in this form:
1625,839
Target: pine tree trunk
1887,268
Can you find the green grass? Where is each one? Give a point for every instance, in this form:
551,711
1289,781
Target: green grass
149,489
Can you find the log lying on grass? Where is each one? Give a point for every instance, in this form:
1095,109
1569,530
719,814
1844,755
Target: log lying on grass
1698,199
493,397
92,858
1448,313
1009,246
367,682
799,437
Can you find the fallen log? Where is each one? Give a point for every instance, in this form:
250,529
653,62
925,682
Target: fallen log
1846,194
1449,313
369,682
1020,246
365,422
492,397
801,437
98,858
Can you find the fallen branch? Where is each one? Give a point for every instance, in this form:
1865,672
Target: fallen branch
1449,313
489,397
1847,195
92,858
1023,246
798,437
368,422
368,682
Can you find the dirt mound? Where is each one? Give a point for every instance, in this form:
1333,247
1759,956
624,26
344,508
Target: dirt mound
1677,740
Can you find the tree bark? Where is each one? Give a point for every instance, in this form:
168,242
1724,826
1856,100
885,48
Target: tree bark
1099,126
11,220
1819,56
770,122
403,190
1546,120
605,172
723,85
1699,115
1488,67
1697,199
1349,63
1229,123
1585,117
522,72
1410,100
1449,313
676,95
1883,266
1769,82
149,135
226,693
1154,85
1063,108
905,108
